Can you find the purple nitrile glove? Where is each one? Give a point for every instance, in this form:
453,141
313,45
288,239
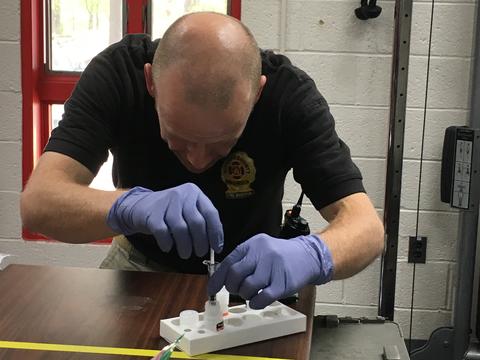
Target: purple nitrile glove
182,215
278,267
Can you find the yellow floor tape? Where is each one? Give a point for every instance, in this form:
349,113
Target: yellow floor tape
119,351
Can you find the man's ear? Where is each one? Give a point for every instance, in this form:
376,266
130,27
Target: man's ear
263,81
147,70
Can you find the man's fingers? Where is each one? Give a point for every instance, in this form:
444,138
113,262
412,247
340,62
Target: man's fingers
163,237
197,228
216,282
160,231
238,272
273,292
179,229
212,219
265,298
252,284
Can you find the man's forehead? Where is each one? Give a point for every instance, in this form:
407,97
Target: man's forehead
200,126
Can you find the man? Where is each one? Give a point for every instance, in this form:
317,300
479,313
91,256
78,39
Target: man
203,128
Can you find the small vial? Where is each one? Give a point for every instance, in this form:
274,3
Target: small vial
213,315
223,298
189,319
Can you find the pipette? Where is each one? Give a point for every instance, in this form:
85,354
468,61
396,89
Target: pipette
168,350
211,270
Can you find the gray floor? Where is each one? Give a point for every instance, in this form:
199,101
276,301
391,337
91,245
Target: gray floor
355,341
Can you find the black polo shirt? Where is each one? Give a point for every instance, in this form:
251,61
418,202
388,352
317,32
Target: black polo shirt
290,127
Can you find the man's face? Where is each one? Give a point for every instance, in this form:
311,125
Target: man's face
199,136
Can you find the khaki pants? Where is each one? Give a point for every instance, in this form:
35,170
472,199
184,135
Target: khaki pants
123,256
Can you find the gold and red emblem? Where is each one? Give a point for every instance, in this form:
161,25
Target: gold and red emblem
238,173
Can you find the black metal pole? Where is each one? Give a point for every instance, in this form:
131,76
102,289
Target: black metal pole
398,104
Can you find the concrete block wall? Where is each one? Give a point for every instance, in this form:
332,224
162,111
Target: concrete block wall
350,61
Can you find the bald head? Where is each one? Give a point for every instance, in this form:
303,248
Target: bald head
213,55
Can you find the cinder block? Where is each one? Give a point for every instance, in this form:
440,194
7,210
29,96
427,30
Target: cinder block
263,19
436,123
10,20
424,322
430,187
419,36
373,172
345,310
363,288
11,165
11,110
364,130
452,32
331,292
332,26
348,79
54,253
448,84
10,224
10,65
440,229
431,280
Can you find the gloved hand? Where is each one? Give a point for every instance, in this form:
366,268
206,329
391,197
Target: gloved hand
278,267
182,215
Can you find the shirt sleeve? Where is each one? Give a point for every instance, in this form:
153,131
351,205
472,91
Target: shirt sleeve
320,160
87,128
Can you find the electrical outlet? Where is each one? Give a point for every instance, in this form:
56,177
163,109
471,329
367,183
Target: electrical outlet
417,250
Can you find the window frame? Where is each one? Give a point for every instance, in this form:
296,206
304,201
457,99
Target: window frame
42,87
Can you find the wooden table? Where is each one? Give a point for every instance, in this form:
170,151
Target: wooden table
108,308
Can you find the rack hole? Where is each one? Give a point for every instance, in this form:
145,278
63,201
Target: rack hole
235,322
238,310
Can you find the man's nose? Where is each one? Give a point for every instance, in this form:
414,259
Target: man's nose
198,156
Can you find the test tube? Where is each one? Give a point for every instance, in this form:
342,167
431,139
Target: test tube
211,269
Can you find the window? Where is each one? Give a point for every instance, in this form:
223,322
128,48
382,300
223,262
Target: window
60,37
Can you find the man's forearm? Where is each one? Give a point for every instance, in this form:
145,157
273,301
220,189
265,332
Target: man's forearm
58,203
70,213
355,236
